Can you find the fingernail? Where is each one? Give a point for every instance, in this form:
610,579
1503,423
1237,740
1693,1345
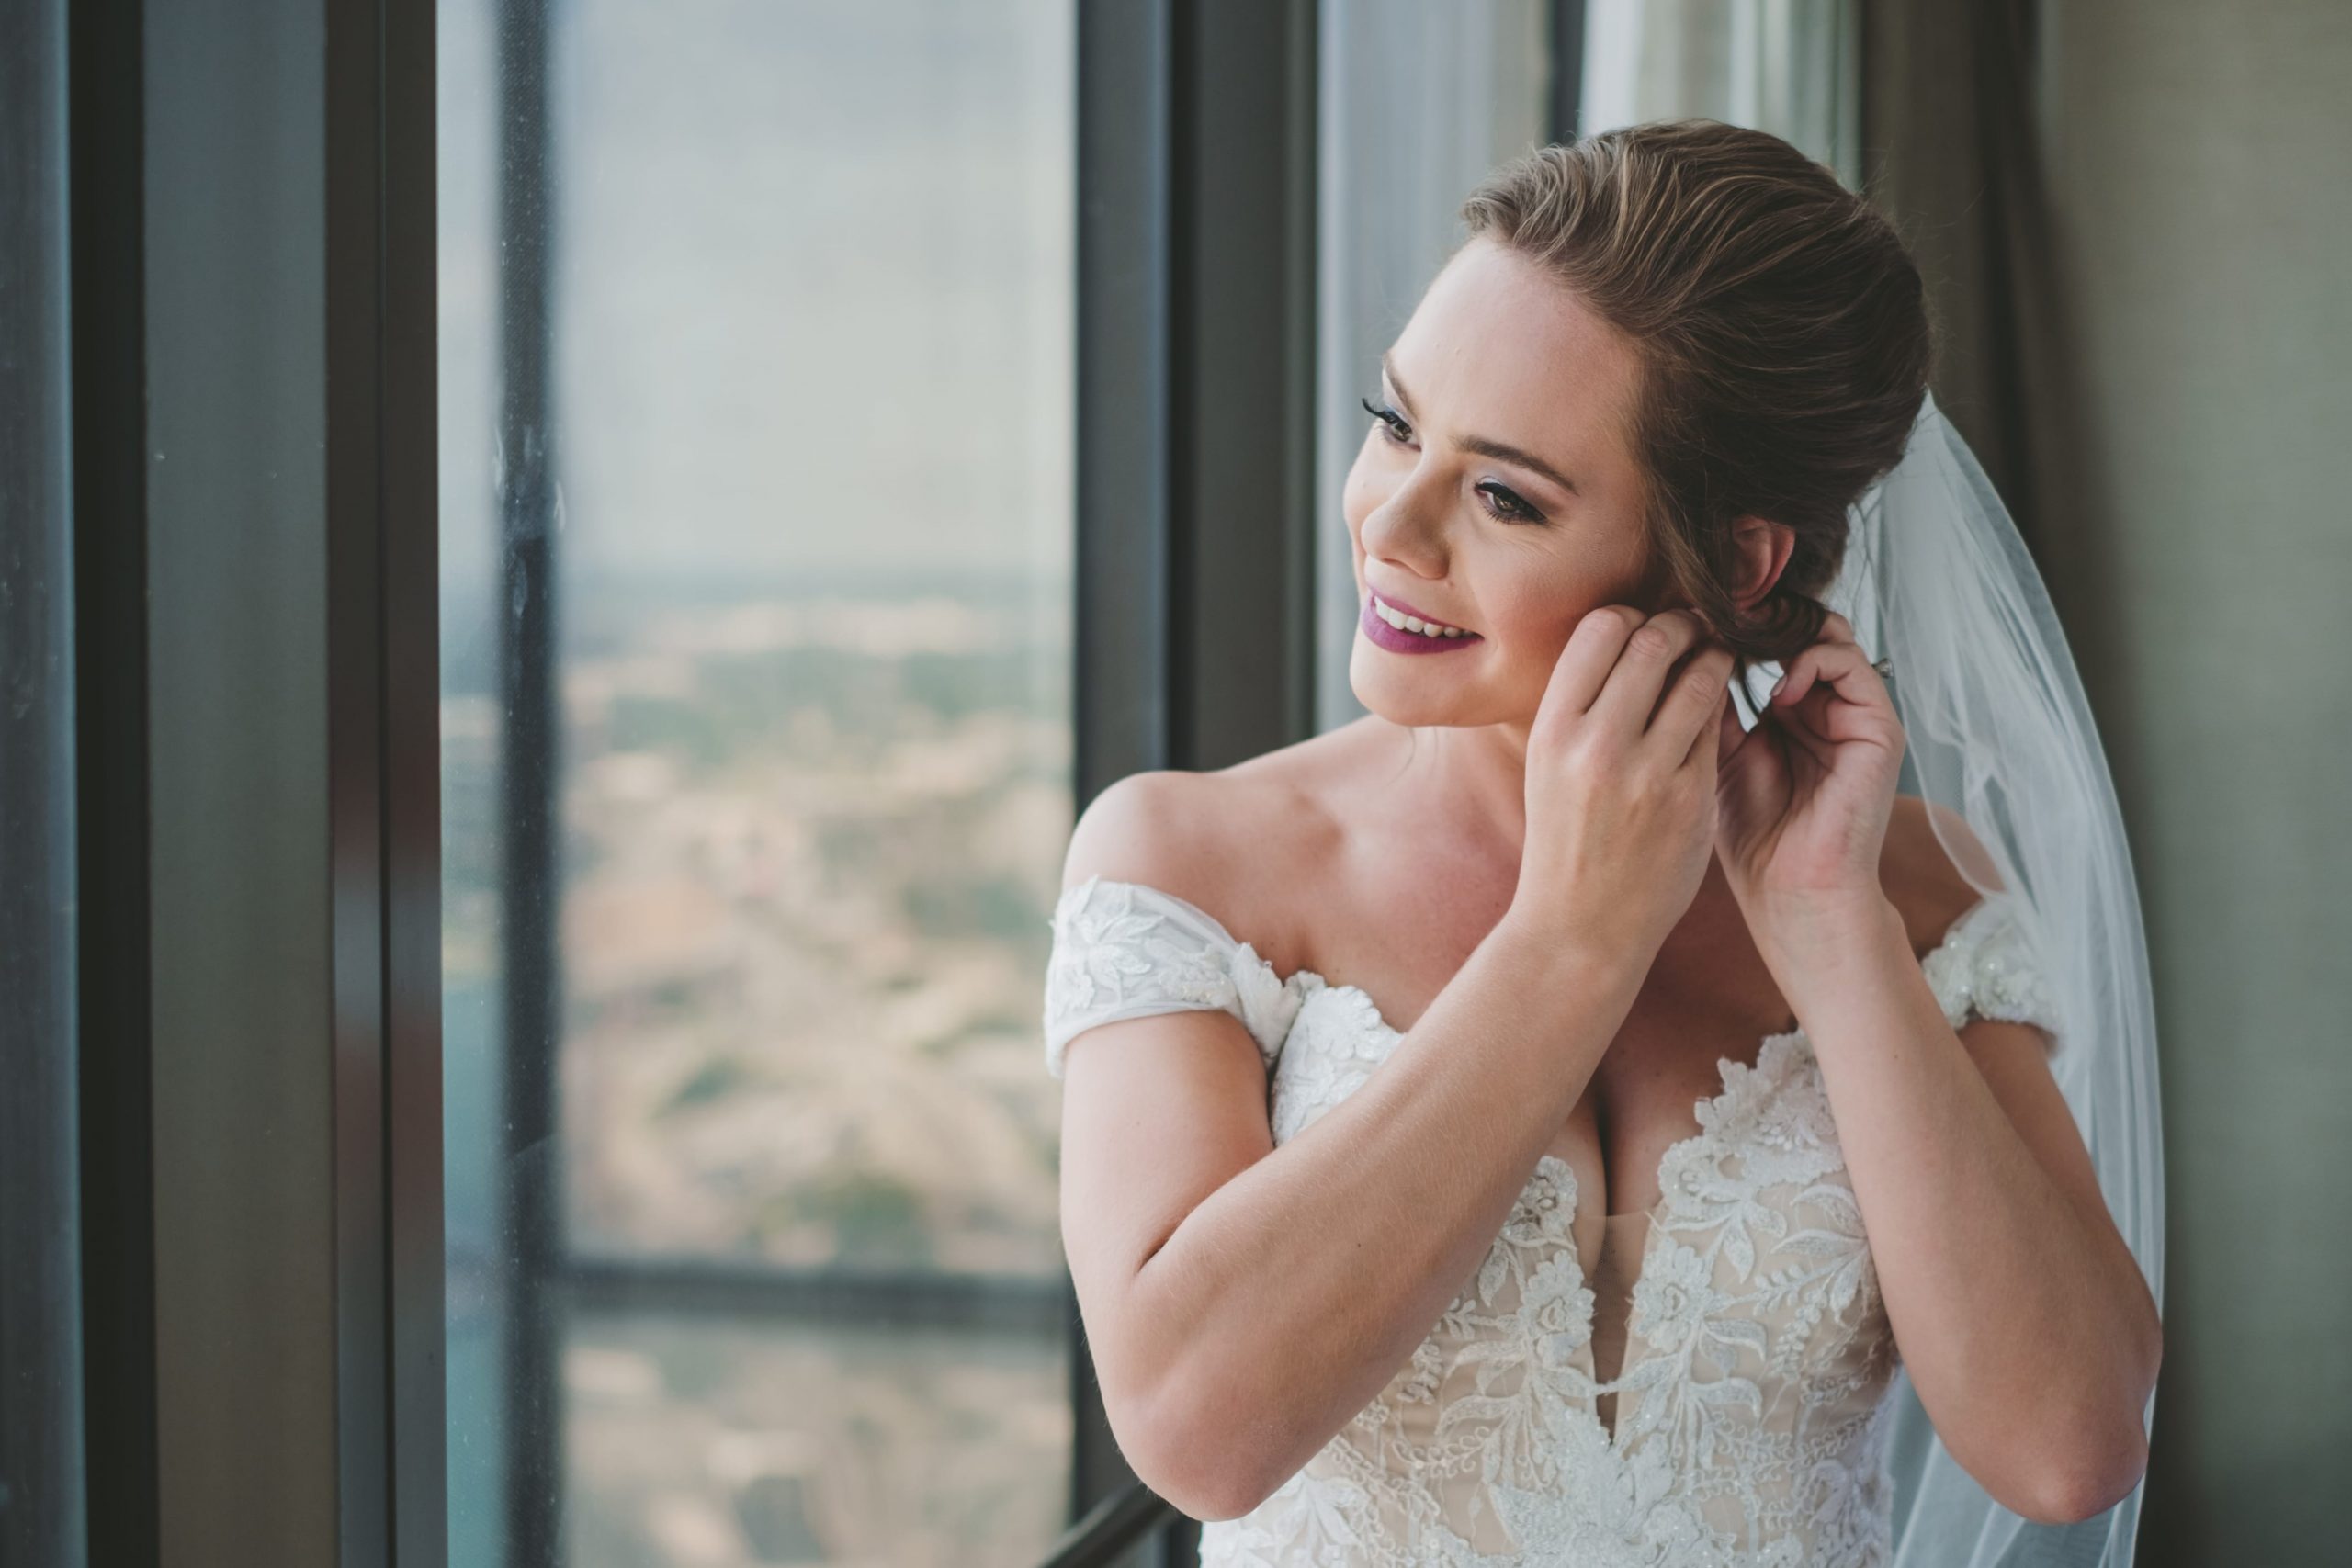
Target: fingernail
1775,688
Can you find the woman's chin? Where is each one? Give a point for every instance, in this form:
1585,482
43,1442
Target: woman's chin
1399,702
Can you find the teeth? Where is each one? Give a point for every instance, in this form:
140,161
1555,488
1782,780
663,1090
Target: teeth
1409,622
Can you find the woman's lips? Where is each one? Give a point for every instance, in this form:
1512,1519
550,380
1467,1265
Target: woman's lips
1414,610
1395,639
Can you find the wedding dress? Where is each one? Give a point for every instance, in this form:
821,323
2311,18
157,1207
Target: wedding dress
1759,1414
1711,1390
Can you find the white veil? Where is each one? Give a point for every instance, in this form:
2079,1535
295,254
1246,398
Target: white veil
1937,580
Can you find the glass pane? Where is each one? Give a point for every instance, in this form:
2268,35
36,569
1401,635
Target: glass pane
1417,101
756,536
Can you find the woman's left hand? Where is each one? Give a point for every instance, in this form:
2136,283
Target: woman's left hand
1803,800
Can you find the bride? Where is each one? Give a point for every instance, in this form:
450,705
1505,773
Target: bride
1558,1118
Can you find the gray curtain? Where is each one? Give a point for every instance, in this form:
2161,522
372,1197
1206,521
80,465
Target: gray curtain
1792,67
1951,155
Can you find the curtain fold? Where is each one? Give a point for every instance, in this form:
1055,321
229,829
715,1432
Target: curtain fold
1791,67
1952,155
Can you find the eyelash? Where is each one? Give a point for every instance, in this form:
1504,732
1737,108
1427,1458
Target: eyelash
1515,510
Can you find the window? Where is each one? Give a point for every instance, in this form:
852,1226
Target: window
756,552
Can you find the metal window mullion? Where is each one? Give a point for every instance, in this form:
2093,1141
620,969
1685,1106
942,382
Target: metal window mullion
531,1204
41,1469
290,747
1567,68
382,257
1121,613
1195,462
110,460
409,422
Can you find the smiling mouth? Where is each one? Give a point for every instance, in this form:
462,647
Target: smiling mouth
1404,621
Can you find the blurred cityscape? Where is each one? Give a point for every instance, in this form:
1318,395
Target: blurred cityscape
810,849
809,416
811,844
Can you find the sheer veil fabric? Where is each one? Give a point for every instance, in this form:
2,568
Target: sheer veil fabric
1936,578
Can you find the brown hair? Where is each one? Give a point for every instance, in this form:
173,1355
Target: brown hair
1784,337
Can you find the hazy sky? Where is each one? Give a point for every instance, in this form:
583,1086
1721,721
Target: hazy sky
813,286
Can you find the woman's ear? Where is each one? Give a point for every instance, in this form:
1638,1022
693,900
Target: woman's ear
1764,548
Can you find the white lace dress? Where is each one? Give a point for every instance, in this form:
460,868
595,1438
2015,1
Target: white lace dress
1749,1412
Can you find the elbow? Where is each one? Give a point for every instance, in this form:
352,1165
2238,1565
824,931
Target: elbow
2078,1464
2096,1467
2105,1454
1193,1457
2088,1486
1192,1426
1211,1495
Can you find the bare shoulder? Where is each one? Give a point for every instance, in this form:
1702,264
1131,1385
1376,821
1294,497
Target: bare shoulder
1918,873
1233,840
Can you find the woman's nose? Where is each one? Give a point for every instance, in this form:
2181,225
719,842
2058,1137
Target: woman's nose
1408,529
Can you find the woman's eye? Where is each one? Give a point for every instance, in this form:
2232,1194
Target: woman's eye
1397,428
1506,506
1500,503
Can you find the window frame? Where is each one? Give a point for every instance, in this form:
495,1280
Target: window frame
1195,506
41,1465
259,838
254,366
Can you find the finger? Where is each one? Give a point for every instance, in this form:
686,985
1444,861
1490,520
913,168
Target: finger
1706,742
1836,628
1841,667
1628,700
1592,651
1729,736
1692,701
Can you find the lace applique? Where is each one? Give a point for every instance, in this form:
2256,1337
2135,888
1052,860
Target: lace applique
1123,950
1751,1420
1985,963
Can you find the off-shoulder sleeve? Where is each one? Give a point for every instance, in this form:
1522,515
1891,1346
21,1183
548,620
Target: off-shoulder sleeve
1986,966
1123,950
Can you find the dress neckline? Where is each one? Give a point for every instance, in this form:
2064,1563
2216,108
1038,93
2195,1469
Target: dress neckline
1777,1055
1707,1110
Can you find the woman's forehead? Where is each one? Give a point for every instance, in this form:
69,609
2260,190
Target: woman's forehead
1498,349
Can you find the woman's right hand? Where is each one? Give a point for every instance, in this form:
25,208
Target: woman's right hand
1620,781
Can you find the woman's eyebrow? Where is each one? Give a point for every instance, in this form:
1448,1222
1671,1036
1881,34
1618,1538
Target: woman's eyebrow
1482,445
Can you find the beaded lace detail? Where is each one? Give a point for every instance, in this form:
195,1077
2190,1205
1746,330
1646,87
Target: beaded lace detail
1750,1418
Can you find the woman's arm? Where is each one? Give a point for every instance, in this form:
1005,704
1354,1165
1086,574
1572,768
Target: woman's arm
2023,1318
1244,1302
2022,1315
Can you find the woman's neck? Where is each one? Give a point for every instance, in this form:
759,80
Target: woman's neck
1476,776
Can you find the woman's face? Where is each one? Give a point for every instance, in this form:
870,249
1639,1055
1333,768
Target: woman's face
1500,494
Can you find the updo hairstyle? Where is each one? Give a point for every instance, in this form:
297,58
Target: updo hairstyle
1783,336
